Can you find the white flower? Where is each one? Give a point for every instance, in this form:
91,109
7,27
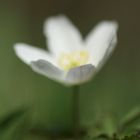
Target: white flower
70,59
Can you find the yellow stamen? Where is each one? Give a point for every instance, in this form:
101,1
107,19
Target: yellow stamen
71,60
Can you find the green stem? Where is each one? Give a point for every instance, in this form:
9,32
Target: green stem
76,92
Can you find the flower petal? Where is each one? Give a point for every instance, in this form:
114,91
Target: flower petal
47,69
80,74
28,53
101,42
62,35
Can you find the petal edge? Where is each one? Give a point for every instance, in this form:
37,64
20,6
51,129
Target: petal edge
62,35
28,53
47,69
80,74
101,41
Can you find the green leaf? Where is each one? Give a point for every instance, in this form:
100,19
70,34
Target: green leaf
13,126
129,124
132,137
104,128
7,120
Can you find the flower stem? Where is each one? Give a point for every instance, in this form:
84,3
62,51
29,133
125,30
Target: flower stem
76,92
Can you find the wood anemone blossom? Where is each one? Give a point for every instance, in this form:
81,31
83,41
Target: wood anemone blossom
71,60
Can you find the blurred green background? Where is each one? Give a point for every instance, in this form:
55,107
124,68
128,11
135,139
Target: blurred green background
116,88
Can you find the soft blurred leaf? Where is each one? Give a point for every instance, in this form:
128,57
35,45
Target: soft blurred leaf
7,120
132,137
130,123
105,127
13,126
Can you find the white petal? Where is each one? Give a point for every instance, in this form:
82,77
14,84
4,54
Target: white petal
101,42
28,53
47,69
62,35
75,76
80,74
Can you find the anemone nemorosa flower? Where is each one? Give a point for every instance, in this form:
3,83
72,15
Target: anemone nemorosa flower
71,59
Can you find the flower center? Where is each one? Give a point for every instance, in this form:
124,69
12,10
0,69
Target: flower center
70,60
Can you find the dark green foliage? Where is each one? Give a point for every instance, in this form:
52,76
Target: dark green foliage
133,137
130,124
13,126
